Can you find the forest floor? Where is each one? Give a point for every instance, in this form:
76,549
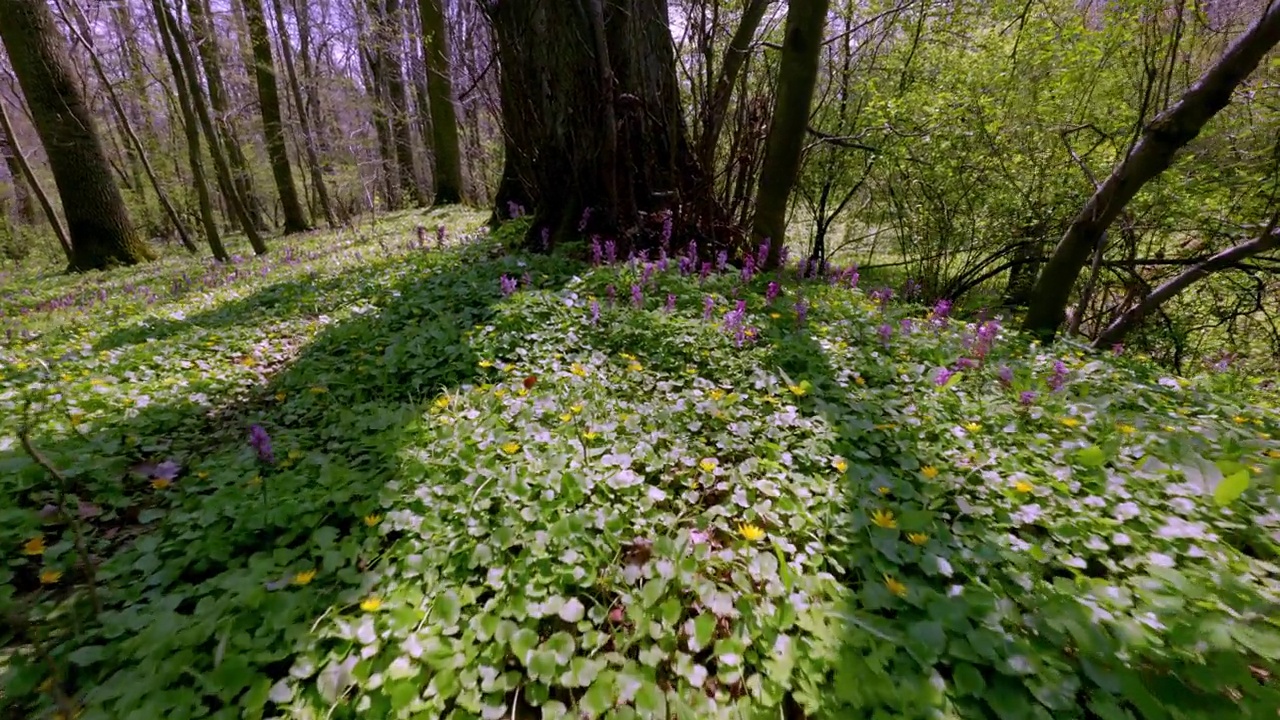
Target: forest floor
360,477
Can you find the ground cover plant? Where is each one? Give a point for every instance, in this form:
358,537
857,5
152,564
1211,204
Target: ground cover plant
391,473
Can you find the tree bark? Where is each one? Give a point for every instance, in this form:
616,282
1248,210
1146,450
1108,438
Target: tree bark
444,116
304,120
191,128
24,202
734,59
1151,155
797,78
388,32
562,148
23,168
375,85
1269,239
206,46
98,223
272,124
187,73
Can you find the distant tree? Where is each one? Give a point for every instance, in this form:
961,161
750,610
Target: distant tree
24,176
98,222
444,117
797,77
304,118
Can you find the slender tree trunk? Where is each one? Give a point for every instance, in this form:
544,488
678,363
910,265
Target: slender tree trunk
1269,239
376,86
207,47
797,77
98,222
734,60
1151,155
269,105
24,171
599,119
187,73
388,33
191,127
25,206
139,151
444,116
308,138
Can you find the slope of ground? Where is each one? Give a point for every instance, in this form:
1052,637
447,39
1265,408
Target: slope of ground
365,478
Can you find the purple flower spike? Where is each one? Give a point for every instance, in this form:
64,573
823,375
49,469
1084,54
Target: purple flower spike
1005,373
637,296
762,254
1027,397
771,292
440,235
586,218
1117,349
708,305
610,251
722,259
595,312
942,377
508,285
671,302
597,255
260,441
886,333
611,293
802,310
1059,377
748,269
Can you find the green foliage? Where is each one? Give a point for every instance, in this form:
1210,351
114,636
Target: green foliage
477,501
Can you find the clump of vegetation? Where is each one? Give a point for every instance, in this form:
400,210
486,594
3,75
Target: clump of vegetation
377,480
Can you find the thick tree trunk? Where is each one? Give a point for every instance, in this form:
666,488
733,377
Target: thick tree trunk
444,116
272,124
388,32
1152,155
24,172
98,223
191,126
797,77
558,98
1269,239
206,45
304,119
188,74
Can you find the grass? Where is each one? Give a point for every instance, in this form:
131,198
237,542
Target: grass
616,491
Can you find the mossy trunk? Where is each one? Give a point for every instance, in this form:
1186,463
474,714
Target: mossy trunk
98,223
444,116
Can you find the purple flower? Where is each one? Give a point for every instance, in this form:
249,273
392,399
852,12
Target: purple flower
586,218
508,285
885,332
802,310
734,322
708,305
662,260
514,209
748,269
706,271
1005,373
692,250
942,377
771,292
671,302
1117,349
686,265
762,254
667,222
440,235
610,251
941,311
611,293
802,269
647,274
1059,376
1027,397
986,337
597,255
911,288
637,296
722,259
783,255
595,312
966,363
907,325
260,441
168,470
546,238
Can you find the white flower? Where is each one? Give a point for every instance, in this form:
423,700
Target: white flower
1120,539
1096,543
1183,505
1027,514
1127,510
1178,528
1160,560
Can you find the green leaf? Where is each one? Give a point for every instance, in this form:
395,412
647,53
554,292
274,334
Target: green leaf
1091,456
448,608
87,655
1231,488
522,642
599,697
651,702
967,679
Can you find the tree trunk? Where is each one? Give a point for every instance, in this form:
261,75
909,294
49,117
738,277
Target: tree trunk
97,220
444,116
206,45
23,168
273,127
188,74
388,33
375,85
1150,156
25,206
797,77
734,59
191,126
583,171
304,120
1269,239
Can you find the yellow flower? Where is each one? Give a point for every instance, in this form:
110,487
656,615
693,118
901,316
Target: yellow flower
895,586
442,402
929,471
884,518
590,435
49,577
522,391
1273,454
1126,428
635,366
750,532
1070,422
1170,428
840,465
1023,486
203,474
798,390
775,315
1239,420
160,483
859,380
370,604
716,393
280,397
499,392
578,370
708,464
486,363
511,448
918,538
303,577
255,480
883,490
973,427
566,417
34,546
319,390
372,520
628,356
575,409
